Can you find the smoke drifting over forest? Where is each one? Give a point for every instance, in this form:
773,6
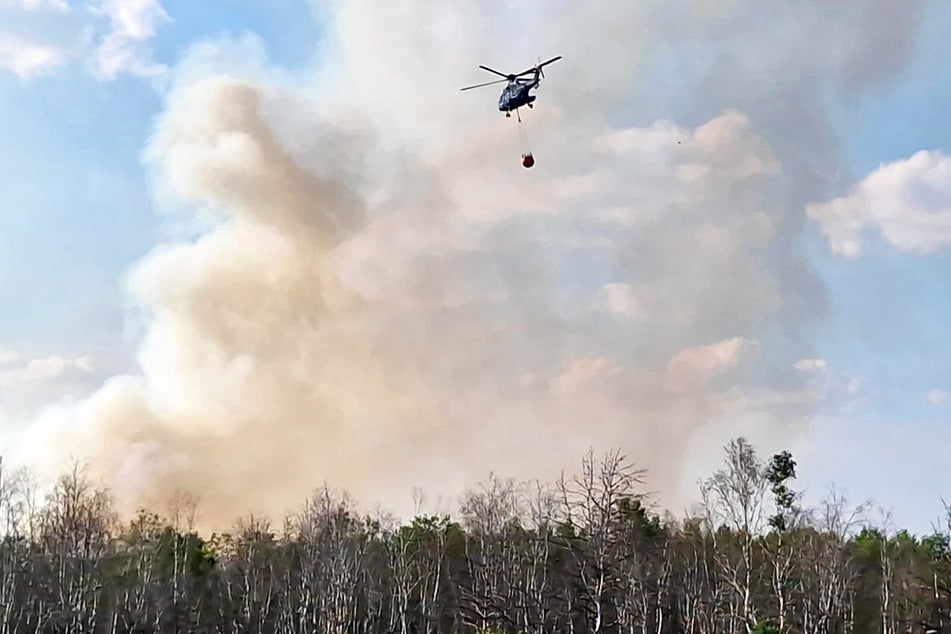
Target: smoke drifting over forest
379,296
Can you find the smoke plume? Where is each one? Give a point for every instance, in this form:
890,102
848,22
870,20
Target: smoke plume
368,289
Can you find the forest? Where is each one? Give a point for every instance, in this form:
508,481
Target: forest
586,553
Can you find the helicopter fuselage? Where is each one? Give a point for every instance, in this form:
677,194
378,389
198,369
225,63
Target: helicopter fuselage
515,95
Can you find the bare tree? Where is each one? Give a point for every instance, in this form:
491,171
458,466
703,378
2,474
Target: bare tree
735,498
252,576
492,515
828,575
15,540
592,503
329,554
541,610
697,580
76,531
938,577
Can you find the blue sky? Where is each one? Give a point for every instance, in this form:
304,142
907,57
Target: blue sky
76,213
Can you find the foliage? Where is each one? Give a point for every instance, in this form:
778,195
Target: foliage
766,627
782,468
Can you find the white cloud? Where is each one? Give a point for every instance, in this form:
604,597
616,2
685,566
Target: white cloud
42,369
835,390
125,47
908,202
31,383
938,397
26,58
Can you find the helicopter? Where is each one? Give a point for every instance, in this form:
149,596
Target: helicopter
515,94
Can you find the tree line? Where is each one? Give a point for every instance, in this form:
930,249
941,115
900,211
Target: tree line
587,553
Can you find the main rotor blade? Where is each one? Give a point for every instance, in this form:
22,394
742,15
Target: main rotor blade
488,83
492,70
538,67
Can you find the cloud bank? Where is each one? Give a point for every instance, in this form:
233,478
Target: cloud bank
381,297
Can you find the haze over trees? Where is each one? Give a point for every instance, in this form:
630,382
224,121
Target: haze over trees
583,554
